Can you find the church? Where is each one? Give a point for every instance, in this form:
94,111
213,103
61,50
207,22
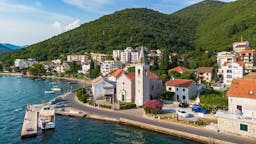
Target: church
137,87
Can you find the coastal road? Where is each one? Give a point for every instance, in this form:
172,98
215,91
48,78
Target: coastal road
193,130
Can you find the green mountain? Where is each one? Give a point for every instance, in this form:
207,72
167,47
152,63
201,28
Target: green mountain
4,49
197,32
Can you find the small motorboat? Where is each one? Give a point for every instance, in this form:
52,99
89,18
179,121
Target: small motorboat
49,92
56,89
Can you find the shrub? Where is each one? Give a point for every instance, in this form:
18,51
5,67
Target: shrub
167,95
80,95
153,106
127,106
105,106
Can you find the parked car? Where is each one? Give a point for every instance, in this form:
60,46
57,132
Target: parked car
198,109
182,113
183,104
60,104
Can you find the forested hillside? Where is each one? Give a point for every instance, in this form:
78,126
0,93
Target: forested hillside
197,32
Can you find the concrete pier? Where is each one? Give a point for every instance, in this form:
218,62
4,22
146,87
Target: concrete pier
30,123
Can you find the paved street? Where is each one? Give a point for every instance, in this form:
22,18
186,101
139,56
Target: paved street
132,116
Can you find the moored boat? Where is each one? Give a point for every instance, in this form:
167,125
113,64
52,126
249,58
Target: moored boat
49,92
56,89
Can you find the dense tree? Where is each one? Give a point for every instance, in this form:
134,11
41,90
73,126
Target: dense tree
164,62
74,67
37,69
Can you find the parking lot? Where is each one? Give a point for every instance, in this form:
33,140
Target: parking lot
173,107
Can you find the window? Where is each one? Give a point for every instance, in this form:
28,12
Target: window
184,90
152,87
139,71
229,71
243,127
177,97
184,97
177,89
229,76
170,88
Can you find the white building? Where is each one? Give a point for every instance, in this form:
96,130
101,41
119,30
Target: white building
239,46
223,57
24,63
109,66
57,61
249,59
134,57
232,70
85,69
78,58
102,89
129,56
20,63
117,55
183,89
137,87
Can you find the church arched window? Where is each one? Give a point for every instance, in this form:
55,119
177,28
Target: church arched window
138,71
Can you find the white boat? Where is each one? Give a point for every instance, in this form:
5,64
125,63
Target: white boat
47,118
56,89
49,92
52,82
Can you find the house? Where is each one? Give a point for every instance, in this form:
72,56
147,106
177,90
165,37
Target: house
249,59
78,58
179,69
241,116
62,68
102,90
239,46
109,66
183,89
242,96
232,70
137,87
85,69
205,74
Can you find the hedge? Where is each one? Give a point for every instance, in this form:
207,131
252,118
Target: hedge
127,106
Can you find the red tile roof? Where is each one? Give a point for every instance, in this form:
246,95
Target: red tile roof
245,88
130,75
204,70
179,69
116,72
247,51
179,83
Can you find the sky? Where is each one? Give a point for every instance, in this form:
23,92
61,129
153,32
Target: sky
24,22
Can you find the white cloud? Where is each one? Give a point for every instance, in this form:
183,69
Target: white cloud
95,6
72,25
59,27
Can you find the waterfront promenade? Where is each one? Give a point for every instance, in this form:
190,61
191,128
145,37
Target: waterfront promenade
72,102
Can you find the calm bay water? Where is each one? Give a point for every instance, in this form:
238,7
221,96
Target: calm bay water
15,93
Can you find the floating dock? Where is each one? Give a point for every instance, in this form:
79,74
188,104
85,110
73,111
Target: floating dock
30,123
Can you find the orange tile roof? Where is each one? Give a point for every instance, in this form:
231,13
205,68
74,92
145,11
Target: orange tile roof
179,69
247,51
205,69
116,72
239,62
179,82
242,88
